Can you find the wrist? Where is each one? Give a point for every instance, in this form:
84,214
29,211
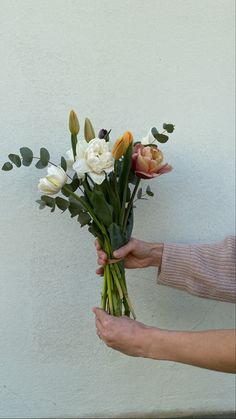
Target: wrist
155,255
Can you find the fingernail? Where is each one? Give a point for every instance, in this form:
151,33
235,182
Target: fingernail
116,254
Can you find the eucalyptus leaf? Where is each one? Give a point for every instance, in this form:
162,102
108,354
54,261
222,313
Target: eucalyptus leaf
15,159
74,209
84,218
139,194
44,156
27,156
161,138
41,203
49,201
148,191
63,164
40,165
62,203
7,166
169,128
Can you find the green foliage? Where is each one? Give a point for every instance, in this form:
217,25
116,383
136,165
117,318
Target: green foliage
74,144
27,156
84,218
7,166
148,191
116,236
101,208
161,138
49,202
139,194
169,128
62,203
63,164
44,158
41,203
15,159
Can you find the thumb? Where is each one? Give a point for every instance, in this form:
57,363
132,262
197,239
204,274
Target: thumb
124,250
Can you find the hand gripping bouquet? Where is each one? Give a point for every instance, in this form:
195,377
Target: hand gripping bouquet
98,185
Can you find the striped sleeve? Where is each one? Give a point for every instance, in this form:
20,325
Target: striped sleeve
206,270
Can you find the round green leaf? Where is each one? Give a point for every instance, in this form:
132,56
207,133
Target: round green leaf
15,159
44,156
40,164
169,128
27,156
7,166
62,203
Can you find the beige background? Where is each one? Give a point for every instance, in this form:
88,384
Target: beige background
127,64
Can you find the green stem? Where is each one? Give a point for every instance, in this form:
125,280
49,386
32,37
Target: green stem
109,288
124,289
130,204
116,279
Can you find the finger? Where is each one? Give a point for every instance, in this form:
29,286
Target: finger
102,260
124,250
100,314
97,244
100,271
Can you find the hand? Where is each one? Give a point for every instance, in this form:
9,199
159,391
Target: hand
123,334
136,254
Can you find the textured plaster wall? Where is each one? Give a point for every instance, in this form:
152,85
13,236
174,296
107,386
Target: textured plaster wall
126,64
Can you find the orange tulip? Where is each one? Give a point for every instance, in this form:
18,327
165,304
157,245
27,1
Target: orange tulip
121,145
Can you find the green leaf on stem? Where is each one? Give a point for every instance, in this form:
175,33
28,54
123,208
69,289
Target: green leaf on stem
161,138
44,156
15,159
139,194
41,203
95,231
62,203
63,164
169,128
102,209
7,166
84,218
148,191
116,236
27,156
49,202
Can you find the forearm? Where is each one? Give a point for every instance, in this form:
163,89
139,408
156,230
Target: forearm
212,349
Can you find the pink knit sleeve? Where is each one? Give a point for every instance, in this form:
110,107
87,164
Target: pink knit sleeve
206,270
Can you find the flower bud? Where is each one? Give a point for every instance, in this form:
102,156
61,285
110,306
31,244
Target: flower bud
73,123
89,133
120,147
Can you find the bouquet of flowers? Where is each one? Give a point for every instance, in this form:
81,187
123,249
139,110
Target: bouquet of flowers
98,184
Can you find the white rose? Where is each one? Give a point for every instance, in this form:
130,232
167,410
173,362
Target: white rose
54,181
93,158
149,139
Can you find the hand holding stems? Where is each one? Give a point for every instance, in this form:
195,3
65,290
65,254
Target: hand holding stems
136,254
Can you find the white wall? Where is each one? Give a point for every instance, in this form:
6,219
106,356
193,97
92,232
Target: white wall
126,64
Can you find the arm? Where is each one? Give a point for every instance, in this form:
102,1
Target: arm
203,270
212,349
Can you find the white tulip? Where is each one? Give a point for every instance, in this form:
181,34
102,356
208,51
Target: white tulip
149,139
93,158
54,181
